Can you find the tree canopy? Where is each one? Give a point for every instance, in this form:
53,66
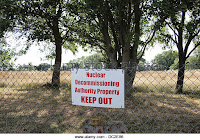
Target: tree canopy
7,16
120,29
115,27
45,20
182,21
6,55
165,59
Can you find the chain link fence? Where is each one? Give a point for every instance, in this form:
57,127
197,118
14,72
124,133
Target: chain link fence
30,104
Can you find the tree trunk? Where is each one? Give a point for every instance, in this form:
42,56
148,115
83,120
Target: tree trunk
130,53
56,70
182,58
181,73
129,71
113,59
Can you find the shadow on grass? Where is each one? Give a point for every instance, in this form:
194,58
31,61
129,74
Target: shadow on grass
27,124
37,109
40,109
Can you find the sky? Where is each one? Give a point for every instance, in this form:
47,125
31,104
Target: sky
36,57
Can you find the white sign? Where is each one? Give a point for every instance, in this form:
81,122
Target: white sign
98,88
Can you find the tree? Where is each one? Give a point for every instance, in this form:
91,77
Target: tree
182,18
165,59
95,61
43,67
45,20
25,67
7,20
195,59
6,55
193,62
116,28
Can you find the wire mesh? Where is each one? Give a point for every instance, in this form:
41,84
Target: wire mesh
30,104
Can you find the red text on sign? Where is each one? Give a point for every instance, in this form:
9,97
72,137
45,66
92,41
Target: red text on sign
95,74
104,100
86,99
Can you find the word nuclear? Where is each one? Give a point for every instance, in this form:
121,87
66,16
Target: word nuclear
95,74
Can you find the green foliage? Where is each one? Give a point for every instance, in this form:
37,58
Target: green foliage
180,23
41,21
165,59
43,67
112,26
7,18
25,67
182,18
31,67
6,55
41,17
193,62
174,66
96,60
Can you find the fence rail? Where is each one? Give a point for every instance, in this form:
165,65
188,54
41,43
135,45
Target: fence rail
30,104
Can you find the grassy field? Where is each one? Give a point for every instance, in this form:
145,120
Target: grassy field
28,106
